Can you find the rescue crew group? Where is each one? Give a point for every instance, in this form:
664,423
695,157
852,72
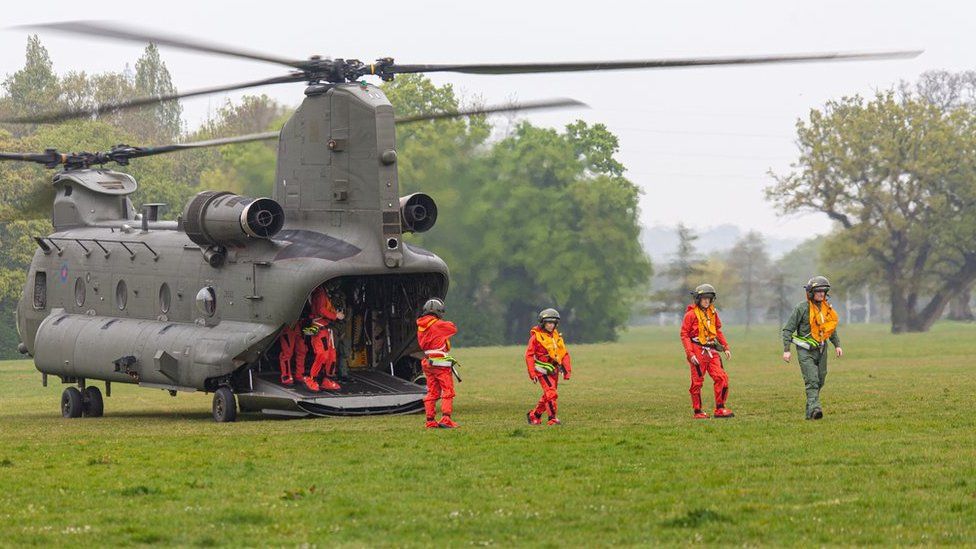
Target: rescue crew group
811,325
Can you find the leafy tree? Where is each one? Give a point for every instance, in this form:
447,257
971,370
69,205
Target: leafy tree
899,177
749,265
684,270
246,168
538,218
162,121
31,90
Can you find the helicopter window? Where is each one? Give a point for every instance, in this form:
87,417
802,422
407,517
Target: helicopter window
164,297
80,291
207,300
40,290
67,190
121,295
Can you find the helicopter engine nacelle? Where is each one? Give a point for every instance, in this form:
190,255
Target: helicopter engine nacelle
219,218
418,213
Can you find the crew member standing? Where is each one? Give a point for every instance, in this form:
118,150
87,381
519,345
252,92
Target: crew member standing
434,336
291,344
546,357
703,340
811,325
323,341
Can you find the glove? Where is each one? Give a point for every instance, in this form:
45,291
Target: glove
565,376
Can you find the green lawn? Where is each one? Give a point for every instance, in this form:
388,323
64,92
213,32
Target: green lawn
893,462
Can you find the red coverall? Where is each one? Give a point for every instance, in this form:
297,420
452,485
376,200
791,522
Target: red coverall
708,360
433,335
323,313
292,345
549,382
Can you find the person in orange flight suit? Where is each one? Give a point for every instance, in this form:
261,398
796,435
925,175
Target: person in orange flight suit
433,335
292,344
703,340
323,313
545,357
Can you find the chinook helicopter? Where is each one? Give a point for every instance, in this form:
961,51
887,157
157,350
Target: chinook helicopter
120,296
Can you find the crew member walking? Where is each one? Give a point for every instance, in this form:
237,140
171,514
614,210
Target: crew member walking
703,340
545,357
811,325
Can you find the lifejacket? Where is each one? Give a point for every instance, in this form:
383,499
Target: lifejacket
554,346
707,326
823,321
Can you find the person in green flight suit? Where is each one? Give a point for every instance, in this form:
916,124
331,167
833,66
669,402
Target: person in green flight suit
811,325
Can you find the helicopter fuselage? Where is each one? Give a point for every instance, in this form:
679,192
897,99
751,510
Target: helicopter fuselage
114,296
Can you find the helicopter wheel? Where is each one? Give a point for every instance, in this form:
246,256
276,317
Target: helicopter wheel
224,405
72,403
94,405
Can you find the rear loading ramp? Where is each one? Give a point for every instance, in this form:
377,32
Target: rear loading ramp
366,393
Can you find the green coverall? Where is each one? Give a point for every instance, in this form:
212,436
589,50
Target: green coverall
813,362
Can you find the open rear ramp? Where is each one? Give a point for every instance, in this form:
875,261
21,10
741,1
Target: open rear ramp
367,393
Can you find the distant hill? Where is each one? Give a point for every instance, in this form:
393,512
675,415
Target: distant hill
660,241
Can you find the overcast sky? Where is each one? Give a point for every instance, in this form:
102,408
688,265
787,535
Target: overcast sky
697,141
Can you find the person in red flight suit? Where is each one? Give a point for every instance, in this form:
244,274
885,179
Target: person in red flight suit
434,336
292,344
323,341
545,357
703,340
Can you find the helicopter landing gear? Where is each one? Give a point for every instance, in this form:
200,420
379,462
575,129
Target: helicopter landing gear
224,405
94,406
82,401
72,403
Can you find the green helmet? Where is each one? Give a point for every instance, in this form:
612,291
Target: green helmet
435,306
548,315
704,290
817,283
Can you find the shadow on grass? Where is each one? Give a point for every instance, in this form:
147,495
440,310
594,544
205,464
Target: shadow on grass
696,518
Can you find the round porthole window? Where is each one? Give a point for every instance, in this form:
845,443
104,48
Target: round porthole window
164,298
121,295
207,300
80,291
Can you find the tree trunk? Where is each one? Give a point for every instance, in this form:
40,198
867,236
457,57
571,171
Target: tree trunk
959,308
899,309
924,319
867,305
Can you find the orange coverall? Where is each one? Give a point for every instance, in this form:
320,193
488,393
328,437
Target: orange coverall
433,335
549,382
708,360
292,345
323,313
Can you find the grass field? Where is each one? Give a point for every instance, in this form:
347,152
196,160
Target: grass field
893,462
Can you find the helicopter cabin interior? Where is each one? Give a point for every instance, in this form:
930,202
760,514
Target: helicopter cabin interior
376,342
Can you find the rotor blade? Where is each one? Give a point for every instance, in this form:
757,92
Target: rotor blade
40,158
522,68
61,116
104,29
150,151
493,109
